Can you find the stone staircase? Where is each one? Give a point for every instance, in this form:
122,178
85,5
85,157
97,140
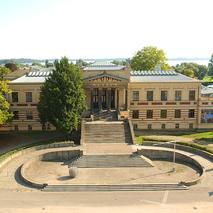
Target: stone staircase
122,187
105,115
110,161
106,132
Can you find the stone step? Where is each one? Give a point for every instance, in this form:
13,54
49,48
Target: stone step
130,187
110,161
107,132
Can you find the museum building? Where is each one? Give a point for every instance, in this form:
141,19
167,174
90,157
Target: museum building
151,99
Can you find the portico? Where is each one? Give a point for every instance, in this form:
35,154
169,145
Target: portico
105,92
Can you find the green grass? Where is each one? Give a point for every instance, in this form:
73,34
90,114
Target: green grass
201,135
26,146
139,140
190,144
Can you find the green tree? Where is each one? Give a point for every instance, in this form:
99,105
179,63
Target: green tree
210,66
148,59
125,62
81,63
5,115
202,72
62,99
12,66
192,70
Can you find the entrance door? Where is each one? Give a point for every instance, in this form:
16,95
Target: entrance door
113,98
103,99
95,99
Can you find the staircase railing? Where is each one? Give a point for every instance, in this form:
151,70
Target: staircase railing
131,131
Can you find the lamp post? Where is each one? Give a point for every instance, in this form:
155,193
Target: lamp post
174,153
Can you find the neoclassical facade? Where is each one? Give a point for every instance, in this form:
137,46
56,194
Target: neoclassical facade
151,99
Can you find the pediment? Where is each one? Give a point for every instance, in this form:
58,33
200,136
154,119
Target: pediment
105,78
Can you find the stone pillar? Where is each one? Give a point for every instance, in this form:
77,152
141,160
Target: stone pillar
126,99
107,99
124,91
91,101
116,98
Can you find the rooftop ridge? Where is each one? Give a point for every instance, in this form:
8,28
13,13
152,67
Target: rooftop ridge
153,73
40,73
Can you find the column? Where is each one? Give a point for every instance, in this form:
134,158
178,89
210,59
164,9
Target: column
124,91
126,99
91,101
107,98
116,106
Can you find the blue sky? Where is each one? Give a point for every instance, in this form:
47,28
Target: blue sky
104,28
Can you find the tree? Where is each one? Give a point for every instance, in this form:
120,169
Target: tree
36,64
81,63
125,62
62,99
210,66
48,64
12,66
192,70
148,59
202,72
5,115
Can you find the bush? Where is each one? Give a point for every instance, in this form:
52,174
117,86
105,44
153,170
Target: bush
139,140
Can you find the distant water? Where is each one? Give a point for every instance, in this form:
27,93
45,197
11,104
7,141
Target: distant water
171,62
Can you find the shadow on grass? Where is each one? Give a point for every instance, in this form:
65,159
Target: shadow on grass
204,141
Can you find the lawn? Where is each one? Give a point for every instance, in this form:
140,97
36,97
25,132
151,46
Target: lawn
201,135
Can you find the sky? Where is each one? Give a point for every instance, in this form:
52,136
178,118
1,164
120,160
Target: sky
104,28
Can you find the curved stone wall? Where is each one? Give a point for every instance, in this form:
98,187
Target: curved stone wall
167,155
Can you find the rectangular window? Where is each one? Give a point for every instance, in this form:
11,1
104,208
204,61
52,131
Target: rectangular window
149,126
48,127
28,96
135,126
191,113
163,113
178,94
177,113
16,128
192,95
29,115
149,95
15,97
164,95
163,126
177,126
149,114
15,115
191,126
135,95
135,114
30,128
43,127
207,116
